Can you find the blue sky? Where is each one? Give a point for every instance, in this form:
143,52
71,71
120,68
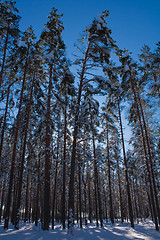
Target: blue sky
133,23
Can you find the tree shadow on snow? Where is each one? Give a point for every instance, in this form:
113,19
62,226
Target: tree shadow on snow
116,231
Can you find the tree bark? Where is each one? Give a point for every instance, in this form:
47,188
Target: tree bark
73,157
7,212
146,158
120,192
56,174
109,180
96,177
4,123
27,197
38,190
85,204
150,159
89,197
23,160
13,203
4,55
79,188
47,158
126,171
2,198
64,171
54,191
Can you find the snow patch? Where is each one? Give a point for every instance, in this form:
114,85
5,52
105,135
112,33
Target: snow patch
89,27
22,44
99,27
45,29
143,230
126,68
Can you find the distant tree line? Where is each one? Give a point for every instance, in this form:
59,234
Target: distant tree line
63,153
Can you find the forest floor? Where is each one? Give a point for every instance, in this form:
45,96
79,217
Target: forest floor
28,231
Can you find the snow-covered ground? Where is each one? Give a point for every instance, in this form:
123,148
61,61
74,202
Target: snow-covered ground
117,231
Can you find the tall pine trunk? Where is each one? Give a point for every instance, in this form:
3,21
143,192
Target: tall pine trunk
136,211
120,191
85,204
55,190
4,123
64,171
150,159
89,196
4,55
2,198
38,190
13,202
27,198
109,180
23,160
97,185
79,190
56,174
47,158
73,157
126,170
7,211
146,158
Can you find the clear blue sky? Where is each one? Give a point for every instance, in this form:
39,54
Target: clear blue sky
133,22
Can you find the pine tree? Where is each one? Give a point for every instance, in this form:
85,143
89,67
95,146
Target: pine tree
25,50
54,50
9,28
34,67
129,75
98,43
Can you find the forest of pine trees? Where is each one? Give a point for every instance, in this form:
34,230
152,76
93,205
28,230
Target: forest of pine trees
63,153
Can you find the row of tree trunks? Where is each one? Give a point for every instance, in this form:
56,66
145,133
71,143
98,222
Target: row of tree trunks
97,186
146,157
73,157
4,123
23,159
47,157
55,182
150,159
7,211
4,54
83,205
96,192
126,171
